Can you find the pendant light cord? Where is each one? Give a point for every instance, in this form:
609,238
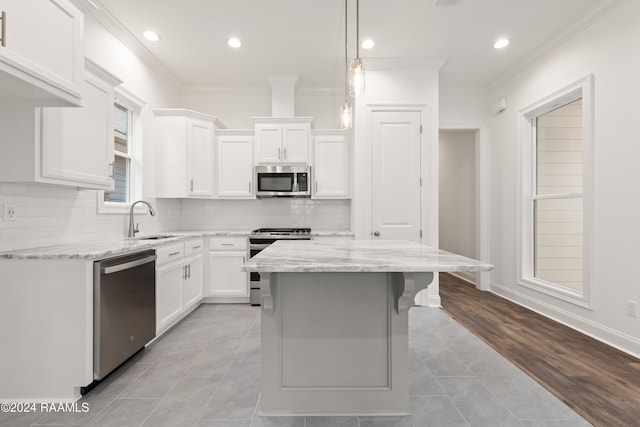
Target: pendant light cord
346,57
357,28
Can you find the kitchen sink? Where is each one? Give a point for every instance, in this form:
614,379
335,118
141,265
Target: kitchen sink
156,237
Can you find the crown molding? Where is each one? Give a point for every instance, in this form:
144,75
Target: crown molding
104,17
555,42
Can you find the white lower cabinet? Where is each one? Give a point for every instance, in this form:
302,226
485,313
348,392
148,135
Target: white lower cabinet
179,280
227,281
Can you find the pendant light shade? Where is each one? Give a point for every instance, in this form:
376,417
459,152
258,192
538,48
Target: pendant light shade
345,116
356,81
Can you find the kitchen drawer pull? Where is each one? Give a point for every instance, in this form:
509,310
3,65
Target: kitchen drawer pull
174,253
279,153
228,244
285,152
128,265
197,247
191,186
3,34
249,186
316,186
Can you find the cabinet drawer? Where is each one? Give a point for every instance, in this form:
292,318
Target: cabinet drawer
169,253
193,247
227,243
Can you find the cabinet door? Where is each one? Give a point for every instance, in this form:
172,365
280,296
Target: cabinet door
268,143
43,42
331,167
168,294
295,143
200,147
193,284
235,167
225,275
77,143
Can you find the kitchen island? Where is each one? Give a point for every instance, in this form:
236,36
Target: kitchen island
334,323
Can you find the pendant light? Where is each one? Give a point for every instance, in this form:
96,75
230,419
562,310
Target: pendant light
345,109
357,66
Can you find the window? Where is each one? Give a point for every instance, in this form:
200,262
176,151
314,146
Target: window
123,149
555,194
127,143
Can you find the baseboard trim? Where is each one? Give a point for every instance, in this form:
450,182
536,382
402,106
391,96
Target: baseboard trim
604,334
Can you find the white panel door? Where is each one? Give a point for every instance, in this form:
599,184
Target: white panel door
295,143
77,143
235,167
226,277
44,39
268,143
331,167
396,175
168,295
200,142
193,284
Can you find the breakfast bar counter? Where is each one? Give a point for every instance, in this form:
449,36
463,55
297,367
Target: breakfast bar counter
334,323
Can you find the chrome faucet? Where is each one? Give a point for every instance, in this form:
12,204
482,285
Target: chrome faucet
133,230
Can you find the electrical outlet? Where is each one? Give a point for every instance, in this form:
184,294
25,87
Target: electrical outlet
632,308
9,212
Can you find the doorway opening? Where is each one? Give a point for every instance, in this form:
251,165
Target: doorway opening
459,196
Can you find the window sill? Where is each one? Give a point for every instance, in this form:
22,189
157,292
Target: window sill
565,294
117,208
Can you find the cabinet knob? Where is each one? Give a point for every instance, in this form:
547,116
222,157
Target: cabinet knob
376,233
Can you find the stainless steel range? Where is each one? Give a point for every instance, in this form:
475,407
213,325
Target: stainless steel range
260,239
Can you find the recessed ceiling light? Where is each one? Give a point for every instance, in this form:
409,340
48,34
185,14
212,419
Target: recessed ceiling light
368,44
500,43
234,42
151,35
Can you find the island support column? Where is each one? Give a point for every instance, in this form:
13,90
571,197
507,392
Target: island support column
336,343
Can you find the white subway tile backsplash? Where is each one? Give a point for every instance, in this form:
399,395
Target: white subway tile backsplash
49,215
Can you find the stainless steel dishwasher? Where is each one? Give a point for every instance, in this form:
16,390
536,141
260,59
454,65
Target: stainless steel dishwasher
124,304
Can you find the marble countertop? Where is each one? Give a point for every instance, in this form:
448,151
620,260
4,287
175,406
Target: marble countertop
104,249
108,248
359,256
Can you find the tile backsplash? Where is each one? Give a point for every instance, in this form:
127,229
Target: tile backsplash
49,215
250,214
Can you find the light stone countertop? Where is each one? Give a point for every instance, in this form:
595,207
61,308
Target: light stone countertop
105,249
359,256
108,248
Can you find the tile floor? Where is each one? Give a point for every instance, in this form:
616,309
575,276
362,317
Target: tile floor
206,372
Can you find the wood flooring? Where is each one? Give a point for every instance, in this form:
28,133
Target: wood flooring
599,382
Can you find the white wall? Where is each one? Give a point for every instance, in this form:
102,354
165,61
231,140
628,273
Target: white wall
463,108
458,193
608,50
235,107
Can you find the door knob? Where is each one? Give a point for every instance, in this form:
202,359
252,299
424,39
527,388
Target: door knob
376,233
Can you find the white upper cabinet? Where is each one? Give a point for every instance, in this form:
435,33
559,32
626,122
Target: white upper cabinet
185,153
41,53
77,143
63,146
286,141
234,165
331,165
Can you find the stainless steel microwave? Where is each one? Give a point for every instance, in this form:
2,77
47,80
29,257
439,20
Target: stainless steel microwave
283,181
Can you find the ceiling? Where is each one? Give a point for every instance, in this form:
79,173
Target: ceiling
306,37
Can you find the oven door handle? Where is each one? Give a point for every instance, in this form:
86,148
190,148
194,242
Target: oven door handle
258,246
128,265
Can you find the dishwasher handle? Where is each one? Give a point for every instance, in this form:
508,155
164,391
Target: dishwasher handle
127,265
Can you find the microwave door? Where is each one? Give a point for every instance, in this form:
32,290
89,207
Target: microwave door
275,183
